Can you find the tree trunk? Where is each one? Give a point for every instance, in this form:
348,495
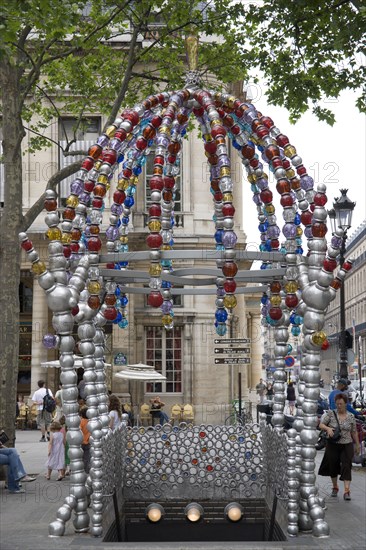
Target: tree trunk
10,223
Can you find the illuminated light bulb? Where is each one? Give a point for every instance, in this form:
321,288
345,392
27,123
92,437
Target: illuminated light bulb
154,512
193,512
233,512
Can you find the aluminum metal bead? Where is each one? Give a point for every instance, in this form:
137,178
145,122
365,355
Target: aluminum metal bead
56,528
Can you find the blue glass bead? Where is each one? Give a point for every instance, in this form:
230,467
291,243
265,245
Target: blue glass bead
248,455
297,219
262,247
125,220
295,331
299,320
129,201
253,477
124,300
123,323
218,235
299,250
283,250
264,299
123,264
166,284
117,291
221,329
292,318
221,315
118,318
120,158
263,266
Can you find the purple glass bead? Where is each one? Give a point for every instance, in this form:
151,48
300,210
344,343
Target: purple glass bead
262,183
229,239
77,186
87,231
308,232
116,209
336,242
103,141
273,231
307,182
112,233
49,341
115,144
223,161
289,230
215,172
162,141
84,197
250,116
263,237
257,199
176,99
220,291
166,306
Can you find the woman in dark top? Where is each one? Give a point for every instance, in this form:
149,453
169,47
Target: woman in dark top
291,397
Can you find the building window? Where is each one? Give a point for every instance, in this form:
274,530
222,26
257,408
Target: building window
82,135
25,298
164,352
178,199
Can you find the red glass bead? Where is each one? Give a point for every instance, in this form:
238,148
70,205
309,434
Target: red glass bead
275,313
109,156
119,196
235,130
194,461
210,147
132,116
203,449
202,434
155,211
229,121
256,124
215,184
87,163
171,159
275,287
156,121
89,186
254,162
248,151
110,299
74,247
228,210
230,269
282,140
286,200
277,163
209,468
347,266
27,245
295,184
110,313
267,121
306,217
283,186
174,148
312,207
198,112
120,134
218,130
218,196
68,213
319,229
329,264
262,132
230,286
141,143
110,265
50,205
266,196
95,151
336,284
97,202
271,152
75,311
67,251
325,345
181,118
155,299
291,301
154,240
167,196
320,199
213,159
159,160
275,244
169,182
301,170
94,302
148,132
94,244
127,173
156,182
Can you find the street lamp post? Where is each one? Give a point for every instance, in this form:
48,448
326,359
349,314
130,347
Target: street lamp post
341,216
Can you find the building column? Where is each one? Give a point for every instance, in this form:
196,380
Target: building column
39,329
254,331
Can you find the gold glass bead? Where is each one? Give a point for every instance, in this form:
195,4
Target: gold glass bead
102,178
299,231
110,131
291,287
275,300
269,208
166,319
123,239
290,173
94,287
54,234
225,171
72,201
215,122
155,270
289,150
318,338
154,225
38,268
66,238
230,301
251,178
227,197
122,184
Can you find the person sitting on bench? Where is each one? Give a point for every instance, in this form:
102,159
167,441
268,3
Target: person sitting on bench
156,412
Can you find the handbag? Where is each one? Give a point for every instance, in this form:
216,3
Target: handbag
322,441
3,438
336,433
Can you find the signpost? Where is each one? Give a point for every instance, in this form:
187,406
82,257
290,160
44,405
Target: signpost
229,341
232,350
232,360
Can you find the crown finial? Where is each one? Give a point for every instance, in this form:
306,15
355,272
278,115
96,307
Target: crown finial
192,52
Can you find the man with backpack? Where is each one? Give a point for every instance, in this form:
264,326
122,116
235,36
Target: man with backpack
46,404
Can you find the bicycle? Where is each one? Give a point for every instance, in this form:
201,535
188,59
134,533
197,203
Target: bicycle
236,419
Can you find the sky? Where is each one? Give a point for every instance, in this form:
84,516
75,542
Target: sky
334,155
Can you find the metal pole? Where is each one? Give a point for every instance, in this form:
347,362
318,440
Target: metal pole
359,367
239,383
343,363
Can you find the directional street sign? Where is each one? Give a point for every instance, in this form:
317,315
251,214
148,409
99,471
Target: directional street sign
232,360
229,341
232,350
